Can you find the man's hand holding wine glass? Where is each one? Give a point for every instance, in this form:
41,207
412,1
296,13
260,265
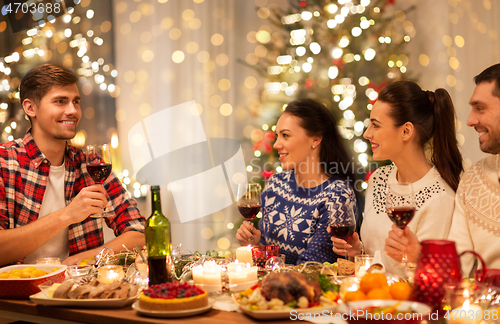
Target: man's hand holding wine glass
90,200
99,168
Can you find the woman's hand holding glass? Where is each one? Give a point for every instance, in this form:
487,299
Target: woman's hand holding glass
351,247
249,204
248,234
342,227
400,241
400,205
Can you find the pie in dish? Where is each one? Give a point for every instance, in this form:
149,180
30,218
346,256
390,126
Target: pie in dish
173,296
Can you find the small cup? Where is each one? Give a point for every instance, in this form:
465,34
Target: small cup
78,272
361,264
48,261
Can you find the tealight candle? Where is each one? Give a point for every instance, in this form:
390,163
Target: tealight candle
244,254
48,261
466,314
109,273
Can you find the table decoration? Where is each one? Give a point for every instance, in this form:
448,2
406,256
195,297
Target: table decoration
262,253
437,267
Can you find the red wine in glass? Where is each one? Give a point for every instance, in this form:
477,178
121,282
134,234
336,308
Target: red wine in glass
99,164
342,231
401,216
99,172
249,211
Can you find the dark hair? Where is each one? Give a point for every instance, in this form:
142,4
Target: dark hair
37,82
317,120
433,116
490,74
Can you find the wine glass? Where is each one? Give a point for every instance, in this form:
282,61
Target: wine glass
99,167
343,225
400,206
249,202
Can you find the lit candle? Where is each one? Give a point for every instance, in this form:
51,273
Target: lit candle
252,273
197,273
244,254
109,273
466,314
211,277
238,280
231,267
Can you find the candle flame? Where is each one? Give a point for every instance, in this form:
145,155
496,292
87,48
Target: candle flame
466,293
114,140
466,305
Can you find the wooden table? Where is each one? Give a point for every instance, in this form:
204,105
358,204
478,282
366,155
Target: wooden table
26,310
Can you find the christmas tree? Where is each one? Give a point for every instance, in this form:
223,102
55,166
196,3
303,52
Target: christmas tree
340,53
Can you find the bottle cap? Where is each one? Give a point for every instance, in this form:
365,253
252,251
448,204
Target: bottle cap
155,188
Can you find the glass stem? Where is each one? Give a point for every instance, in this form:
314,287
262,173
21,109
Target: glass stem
404,259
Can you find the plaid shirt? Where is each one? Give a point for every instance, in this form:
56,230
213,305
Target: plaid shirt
24,173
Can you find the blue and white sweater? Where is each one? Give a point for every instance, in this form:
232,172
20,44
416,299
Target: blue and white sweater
296,218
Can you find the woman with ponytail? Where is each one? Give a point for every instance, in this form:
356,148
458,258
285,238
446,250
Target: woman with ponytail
415,129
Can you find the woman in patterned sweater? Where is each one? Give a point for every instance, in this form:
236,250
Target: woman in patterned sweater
404,122
299,203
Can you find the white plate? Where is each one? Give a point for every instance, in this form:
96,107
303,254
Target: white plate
42,299
401,305
173,314
272,314
289,314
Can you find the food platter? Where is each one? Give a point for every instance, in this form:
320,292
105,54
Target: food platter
42,298
315,312
173,314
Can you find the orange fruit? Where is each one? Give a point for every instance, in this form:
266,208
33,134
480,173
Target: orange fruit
354,295
371,281
400,290
378,293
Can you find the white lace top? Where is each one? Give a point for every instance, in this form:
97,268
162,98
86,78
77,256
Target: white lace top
432,220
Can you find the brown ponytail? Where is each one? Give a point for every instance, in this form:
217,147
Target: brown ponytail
433,116
445,153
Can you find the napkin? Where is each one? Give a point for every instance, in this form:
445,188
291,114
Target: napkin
226,303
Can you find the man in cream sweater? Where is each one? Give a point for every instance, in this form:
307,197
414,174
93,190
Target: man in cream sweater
476,219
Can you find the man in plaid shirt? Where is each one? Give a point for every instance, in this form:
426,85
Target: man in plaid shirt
46,194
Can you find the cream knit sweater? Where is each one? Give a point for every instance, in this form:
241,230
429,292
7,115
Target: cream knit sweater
476,220
432,220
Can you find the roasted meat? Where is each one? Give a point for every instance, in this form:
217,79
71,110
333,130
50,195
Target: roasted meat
289,287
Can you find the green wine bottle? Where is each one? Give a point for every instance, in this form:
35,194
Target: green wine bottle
158,242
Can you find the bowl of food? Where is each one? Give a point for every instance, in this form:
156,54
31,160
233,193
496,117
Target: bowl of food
22,280
384,311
